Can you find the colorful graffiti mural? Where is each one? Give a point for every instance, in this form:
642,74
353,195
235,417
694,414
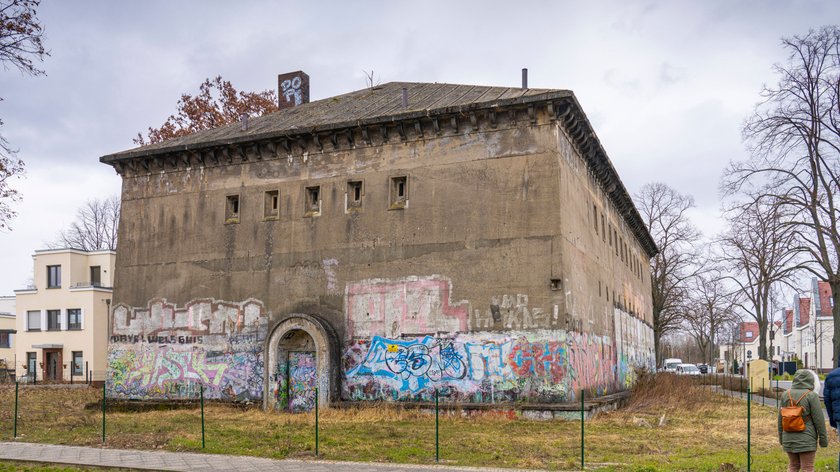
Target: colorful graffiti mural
302,381
532,366
161,352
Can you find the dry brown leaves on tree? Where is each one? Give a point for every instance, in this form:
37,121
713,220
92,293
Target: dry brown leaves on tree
218,103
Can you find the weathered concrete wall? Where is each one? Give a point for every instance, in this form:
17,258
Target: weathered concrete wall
490,272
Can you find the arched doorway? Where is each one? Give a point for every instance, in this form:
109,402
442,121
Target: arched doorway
298,356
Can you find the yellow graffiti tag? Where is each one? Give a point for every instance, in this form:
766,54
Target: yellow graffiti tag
393,348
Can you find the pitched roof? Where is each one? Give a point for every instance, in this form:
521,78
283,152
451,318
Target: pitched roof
788,321
824,304
804,311
383,106
748,327
366,106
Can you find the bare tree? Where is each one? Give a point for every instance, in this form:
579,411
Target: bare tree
709,311
665,212
794,135
95,228
759,252
21,46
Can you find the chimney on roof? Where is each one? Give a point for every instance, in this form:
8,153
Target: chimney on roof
405,97
292,89
243,121
524,77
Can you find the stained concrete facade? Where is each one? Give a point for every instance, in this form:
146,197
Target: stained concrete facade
482,246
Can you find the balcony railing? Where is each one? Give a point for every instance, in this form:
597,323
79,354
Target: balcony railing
88,285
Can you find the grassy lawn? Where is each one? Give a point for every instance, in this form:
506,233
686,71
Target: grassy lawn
699,431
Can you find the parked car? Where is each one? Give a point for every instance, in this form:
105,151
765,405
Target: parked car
687,369
703,368
670,365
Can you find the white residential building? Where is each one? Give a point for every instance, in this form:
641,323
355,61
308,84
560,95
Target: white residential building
7,335
808,328
62,321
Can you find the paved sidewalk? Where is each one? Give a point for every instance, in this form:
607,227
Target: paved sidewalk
186,461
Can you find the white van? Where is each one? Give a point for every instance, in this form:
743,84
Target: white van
670,365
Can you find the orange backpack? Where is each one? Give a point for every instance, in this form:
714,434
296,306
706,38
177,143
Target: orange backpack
792,419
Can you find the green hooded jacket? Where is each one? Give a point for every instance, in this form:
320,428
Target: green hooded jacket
805,441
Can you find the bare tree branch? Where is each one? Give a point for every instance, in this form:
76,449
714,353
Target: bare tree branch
794,136
665,212
95,228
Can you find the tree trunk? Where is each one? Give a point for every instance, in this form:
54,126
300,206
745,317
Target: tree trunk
834,283
762,339
658,351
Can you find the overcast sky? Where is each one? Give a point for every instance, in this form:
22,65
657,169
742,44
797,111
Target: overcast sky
667,85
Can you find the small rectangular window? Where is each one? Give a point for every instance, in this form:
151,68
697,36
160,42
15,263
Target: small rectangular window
95,276
595,217
77,363
353,197
399,192
615,237
74,318
603,229
232,209
272,204
33,320
313,201
556,284
53,320
4,339
54,276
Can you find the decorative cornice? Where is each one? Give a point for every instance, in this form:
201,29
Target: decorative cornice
560,107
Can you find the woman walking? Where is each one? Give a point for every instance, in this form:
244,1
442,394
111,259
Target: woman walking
801,423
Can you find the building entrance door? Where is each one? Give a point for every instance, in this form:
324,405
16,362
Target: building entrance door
302,381
52,365
295,373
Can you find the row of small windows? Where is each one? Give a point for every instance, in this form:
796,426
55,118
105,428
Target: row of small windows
54,318
615,241
398,198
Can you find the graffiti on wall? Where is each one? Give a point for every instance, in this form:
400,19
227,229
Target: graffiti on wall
513,312
411,305
539,366
163,352
634,346
302,381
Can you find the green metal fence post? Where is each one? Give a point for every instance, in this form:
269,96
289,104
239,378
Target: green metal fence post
749,431
437,429
103,409
17,384
582,440
316,421
202,416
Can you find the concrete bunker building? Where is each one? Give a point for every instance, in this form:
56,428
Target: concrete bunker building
380,245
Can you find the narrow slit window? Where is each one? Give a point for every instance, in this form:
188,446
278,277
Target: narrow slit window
399,192
232,209
354,194
595,217
603,228
313,201
272,204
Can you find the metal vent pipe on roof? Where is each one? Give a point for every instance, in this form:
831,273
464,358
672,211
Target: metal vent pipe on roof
243,121
524,77
405,97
